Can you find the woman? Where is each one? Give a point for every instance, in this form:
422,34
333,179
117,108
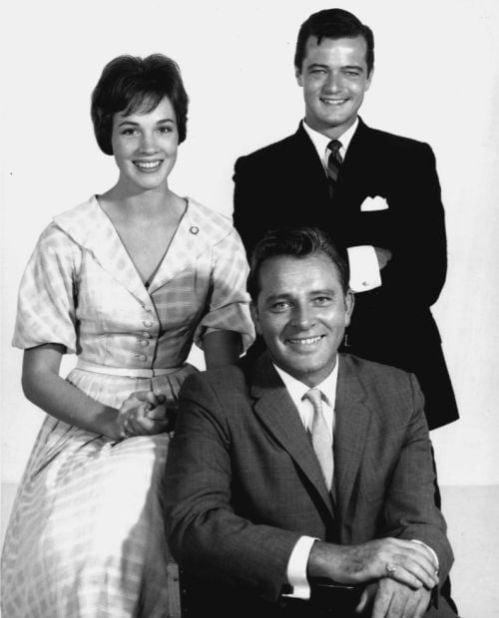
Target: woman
127,281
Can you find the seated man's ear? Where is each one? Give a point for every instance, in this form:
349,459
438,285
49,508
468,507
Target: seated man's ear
255,318
349,306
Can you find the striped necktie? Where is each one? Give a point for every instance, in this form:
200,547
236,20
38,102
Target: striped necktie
320,434
334,162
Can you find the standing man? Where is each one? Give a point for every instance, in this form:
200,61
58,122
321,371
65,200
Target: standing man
377,193
300,485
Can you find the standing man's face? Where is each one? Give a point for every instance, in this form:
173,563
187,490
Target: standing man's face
334,79
302,313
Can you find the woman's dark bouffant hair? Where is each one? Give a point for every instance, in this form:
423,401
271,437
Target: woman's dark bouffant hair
128,83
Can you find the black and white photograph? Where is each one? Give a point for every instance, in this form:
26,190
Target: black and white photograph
249,337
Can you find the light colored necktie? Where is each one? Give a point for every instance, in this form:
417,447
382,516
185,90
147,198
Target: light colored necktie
320,433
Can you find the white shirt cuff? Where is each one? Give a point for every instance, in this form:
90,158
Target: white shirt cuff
296,571
364,268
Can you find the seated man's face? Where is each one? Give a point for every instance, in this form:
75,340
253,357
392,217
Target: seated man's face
302,312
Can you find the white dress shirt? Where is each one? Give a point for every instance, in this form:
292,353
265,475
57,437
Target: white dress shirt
364,266
296,571
297,565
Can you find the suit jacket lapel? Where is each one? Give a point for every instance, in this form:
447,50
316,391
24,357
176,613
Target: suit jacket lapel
352,417
357,176
309,166
358,169
276,410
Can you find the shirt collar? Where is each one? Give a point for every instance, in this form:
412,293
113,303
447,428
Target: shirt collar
321,141
297,389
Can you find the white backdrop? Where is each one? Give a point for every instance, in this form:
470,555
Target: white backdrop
436,79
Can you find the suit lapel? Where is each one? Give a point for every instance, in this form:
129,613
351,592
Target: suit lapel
308,165
277,412
352,417
359,151
357,177
308,158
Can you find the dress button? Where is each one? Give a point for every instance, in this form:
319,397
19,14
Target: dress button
147,323
144,342
143,357
146,335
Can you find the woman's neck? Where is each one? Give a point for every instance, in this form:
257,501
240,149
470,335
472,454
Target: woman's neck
130,205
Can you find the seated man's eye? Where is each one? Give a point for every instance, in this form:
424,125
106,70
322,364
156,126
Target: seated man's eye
280,306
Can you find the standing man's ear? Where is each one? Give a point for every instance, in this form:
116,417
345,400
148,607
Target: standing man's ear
370,79
299,76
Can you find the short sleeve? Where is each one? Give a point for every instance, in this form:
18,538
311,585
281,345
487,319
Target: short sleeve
46,309
228,305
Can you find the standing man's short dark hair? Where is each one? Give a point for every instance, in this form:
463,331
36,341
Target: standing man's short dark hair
333,24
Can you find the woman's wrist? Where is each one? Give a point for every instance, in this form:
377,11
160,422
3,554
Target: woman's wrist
110,424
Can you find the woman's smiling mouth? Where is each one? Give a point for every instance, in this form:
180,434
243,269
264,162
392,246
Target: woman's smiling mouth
148,166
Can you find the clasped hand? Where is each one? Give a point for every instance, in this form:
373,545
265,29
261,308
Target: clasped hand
143,413
388,598
399,574
383,256
408,562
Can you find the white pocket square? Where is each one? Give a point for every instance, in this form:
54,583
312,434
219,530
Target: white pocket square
371,204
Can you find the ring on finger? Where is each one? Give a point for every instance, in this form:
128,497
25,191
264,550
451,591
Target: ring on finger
390,569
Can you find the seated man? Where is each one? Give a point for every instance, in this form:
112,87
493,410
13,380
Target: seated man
302,484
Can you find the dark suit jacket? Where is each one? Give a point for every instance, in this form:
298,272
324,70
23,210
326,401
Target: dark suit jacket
243,482
285,184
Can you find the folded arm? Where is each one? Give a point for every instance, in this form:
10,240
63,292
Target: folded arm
418,262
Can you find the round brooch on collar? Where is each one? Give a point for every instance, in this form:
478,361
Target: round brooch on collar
194,229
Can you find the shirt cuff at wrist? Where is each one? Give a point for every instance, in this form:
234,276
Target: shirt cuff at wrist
296,571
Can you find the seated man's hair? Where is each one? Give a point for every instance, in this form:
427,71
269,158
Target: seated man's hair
297,242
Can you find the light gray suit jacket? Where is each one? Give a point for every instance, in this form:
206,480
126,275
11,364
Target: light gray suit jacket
243,483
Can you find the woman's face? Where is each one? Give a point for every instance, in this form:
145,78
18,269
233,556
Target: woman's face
145,146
